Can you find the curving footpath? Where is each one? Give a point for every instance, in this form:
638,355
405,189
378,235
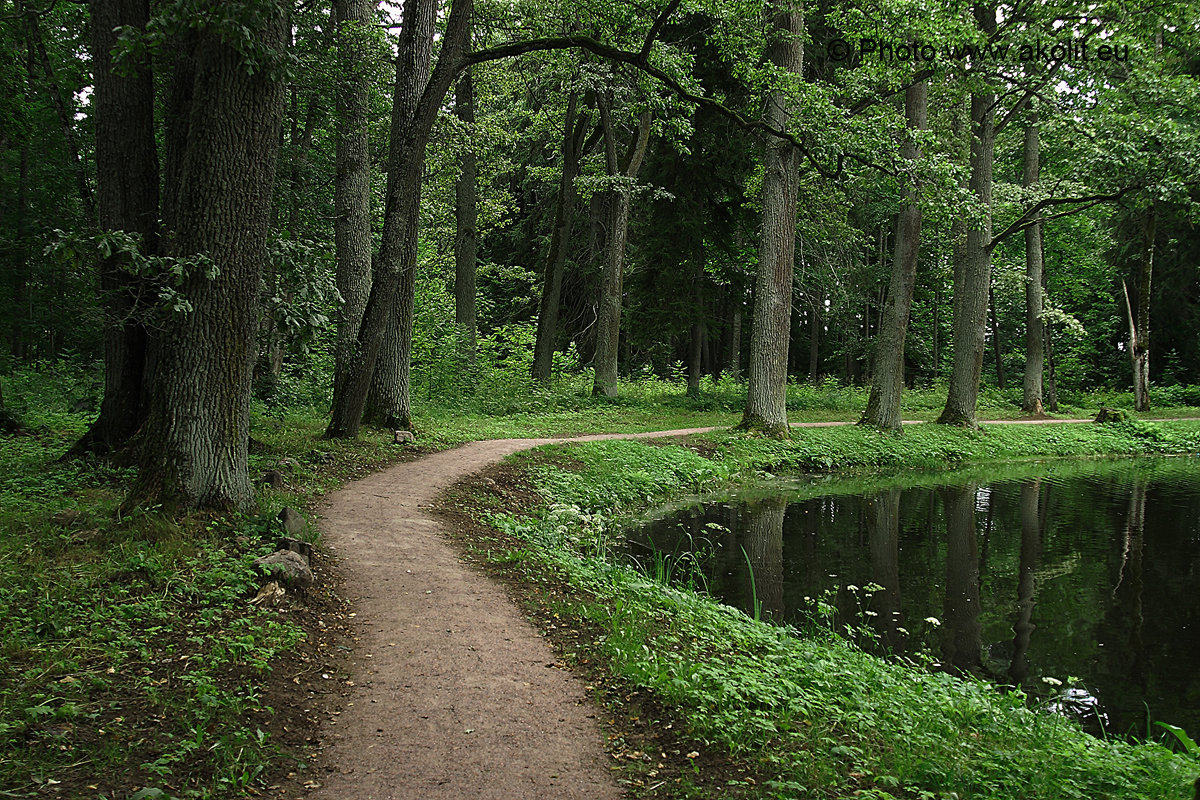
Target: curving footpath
461,697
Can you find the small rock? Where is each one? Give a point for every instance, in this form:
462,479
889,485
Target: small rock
296,546
272,478
290,569
403,437
292,521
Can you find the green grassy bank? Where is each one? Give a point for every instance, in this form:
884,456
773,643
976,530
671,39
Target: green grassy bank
810,715
132,664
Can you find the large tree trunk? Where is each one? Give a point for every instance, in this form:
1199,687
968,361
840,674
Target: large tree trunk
389,401
193,446
887,376
608,321
574,129
352,181
127,195
766,392
466,216
396,266
972,275
1035,353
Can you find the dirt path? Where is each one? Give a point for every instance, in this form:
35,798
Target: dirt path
460,697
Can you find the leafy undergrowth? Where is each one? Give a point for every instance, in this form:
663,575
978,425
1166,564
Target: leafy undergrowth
774,713
132,664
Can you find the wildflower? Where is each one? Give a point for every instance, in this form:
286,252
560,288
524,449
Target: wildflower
934,621
1052,681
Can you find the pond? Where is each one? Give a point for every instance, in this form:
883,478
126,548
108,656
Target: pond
1077,581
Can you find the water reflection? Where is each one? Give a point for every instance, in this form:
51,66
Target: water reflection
1088,573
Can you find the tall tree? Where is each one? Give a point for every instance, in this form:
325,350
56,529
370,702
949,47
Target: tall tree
1139,327
608,322
973,274
1035,335
127,189
766,391
223,128
575,126
887,374
389,402
352,179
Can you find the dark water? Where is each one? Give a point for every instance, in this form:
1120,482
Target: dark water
1089,572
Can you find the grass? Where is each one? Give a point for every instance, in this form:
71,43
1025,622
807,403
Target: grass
814,714
131,662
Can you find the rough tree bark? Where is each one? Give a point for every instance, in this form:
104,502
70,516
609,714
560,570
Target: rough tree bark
1035,353
223,136
972,275
127,199
766,391
352,179
887,375
574,129
389,401
608,321
466,216
394,276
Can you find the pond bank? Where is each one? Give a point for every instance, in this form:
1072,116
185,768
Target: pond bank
769,713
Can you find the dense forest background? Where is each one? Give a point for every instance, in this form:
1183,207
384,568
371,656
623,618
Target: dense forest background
206,207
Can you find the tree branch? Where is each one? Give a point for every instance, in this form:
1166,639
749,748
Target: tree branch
1027,218
603,50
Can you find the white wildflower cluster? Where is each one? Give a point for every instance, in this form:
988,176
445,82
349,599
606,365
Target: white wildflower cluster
572,525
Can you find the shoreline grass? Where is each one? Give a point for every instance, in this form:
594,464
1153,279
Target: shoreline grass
821,718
